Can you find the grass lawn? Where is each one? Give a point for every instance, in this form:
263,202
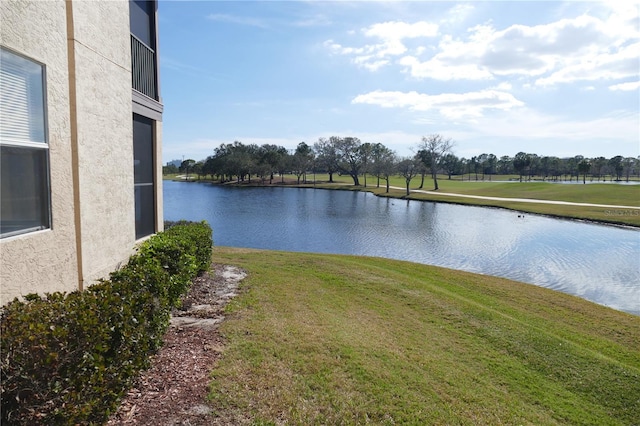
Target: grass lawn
611,194
327,339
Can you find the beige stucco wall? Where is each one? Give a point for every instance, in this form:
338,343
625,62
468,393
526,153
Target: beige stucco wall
43,261
85,46
101,44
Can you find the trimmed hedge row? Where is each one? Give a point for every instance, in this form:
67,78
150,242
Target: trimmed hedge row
67,358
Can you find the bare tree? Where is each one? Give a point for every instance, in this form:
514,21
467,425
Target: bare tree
435,147
383,164
408,169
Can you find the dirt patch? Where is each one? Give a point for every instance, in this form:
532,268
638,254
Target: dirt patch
174,390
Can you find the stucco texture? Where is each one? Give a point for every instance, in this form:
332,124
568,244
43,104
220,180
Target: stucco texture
43,261
101,43
85,46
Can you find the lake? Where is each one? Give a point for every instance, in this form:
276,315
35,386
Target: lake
596,262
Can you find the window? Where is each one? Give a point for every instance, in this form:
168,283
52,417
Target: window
24,152
141,19
143,171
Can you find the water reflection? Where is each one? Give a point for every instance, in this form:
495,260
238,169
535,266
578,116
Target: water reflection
598,263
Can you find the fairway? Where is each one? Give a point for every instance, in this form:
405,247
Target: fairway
326,339
595,193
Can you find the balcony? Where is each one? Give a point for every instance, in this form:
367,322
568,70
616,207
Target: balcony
143,69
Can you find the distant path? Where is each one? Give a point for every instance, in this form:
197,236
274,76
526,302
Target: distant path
520,200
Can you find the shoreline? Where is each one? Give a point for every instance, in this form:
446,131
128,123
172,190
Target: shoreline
349,187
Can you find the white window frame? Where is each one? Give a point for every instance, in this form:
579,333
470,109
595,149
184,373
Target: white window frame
23,127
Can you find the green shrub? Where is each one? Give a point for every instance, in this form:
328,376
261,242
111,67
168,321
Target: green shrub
68,358
200,236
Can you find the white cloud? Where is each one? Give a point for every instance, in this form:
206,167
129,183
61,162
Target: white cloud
439,69
603,44
458,13
504,86
600,66
397,30
450,105
391,35
630,86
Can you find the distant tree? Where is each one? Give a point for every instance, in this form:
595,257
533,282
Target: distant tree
270,157
473,165
408,169
423,159
451,165
186,167
555,167
534,165
302,160
629,163
436,146
521,162
366,150
169,169
545,167
285,164
350,157
597,166
505,165
327,156
583,168
616,164
198,169
383,163
211,166
264,172
490,165
572,166
482,164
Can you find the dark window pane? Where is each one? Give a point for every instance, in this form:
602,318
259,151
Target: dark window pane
143,170
142,149
141,15
24,204
145,213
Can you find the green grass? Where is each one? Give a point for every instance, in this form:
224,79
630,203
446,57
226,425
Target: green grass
628,195
325,339
608,194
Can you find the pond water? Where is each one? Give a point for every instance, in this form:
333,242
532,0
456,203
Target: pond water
596,262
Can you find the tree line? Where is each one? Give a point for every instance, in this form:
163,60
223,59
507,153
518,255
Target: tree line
433,156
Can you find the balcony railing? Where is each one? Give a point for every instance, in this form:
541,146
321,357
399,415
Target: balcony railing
143,69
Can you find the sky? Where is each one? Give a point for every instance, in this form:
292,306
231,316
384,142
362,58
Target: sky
544,77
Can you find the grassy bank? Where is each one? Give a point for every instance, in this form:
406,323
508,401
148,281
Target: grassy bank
324,339
607,194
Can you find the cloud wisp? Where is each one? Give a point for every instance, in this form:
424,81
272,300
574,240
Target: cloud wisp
450,105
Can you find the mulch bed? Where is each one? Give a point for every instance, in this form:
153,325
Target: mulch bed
174,390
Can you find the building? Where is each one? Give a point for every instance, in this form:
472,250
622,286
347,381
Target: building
80,140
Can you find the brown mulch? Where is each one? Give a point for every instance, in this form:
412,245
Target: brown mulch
174,390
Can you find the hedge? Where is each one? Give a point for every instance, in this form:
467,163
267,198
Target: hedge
68,358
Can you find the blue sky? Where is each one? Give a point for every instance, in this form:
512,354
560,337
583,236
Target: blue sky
551,78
